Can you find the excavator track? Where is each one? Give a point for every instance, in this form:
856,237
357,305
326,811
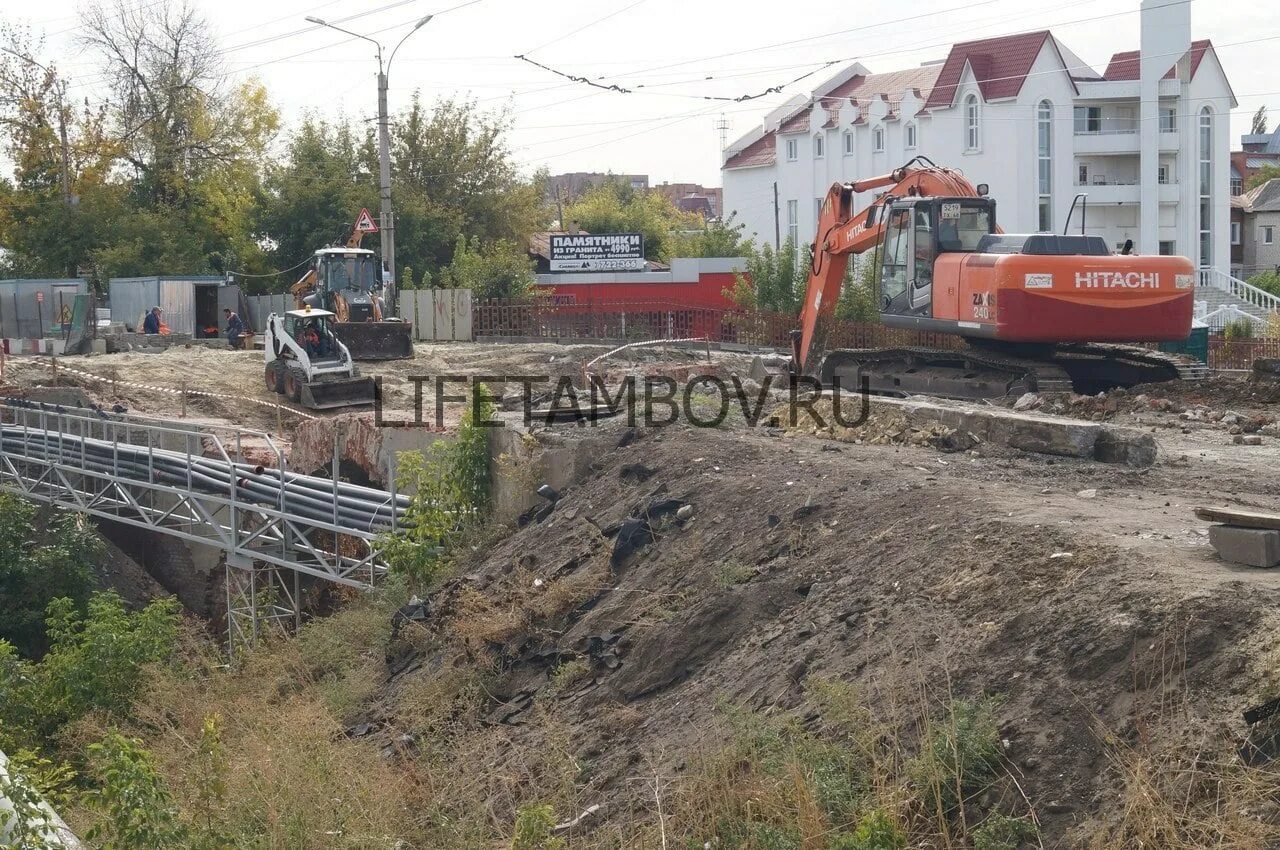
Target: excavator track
988,372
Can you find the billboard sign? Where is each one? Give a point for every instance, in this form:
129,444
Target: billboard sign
596,252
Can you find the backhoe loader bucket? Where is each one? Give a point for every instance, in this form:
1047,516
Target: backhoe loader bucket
339,392
390,340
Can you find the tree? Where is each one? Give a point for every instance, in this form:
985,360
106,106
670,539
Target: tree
1262,175
614,207
1258,126
495,270
719,238
189,145
41,559
775,281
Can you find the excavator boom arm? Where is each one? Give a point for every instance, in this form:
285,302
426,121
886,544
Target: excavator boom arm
842,234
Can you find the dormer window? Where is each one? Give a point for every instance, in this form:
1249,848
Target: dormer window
819,146
971,126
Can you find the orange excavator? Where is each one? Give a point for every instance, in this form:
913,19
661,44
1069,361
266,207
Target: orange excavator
1038,312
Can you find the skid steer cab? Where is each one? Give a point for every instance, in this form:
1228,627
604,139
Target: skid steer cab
308,364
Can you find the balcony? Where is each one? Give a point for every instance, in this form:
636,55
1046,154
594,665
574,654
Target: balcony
1110,137
1123,191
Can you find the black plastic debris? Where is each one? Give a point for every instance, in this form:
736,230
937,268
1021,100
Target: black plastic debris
640,529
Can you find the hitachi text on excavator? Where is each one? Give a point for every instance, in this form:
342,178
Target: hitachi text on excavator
1038,312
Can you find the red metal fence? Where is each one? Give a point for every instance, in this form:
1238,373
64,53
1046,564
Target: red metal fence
641,320
1240,353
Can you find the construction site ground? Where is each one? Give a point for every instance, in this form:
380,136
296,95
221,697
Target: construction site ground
1084,596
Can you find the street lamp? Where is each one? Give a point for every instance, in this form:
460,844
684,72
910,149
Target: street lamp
387,222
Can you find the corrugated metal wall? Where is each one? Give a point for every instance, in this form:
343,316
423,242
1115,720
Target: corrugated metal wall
23,316
131,298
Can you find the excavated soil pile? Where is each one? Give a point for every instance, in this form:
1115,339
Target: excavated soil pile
702,568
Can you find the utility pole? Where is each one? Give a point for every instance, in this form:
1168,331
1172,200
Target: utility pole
386,216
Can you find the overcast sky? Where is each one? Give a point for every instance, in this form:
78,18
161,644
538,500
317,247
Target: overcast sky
670,53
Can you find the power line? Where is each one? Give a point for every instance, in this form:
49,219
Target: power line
586,26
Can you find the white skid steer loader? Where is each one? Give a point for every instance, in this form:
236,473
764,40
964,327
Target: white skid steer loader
307,363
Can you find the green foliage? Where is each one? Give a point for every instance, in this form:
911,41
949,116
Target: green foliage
1269,281
775,281
1262,175
41,559
1001,832
615,207
720,238
137,810
958,756
450,487
875,831
406,278
209,797
24,784
96,662
534,825
859,297
1238,329
495,270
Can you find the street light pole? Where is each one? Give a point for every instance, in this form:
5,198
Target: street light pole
386,216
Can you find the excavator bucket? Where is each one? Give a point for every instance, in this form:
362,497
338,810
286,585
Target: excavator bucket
344,392
389,340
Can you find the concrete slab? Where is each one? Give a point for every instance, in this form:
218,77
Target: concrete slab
1254,547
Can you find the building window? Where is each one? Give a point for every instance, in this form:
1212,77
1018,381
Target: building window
1044,161
1237,187
877,139
1235,233
971,136
911,136
819,147
1166,248
1168,119
1162,174
817,212
848,144
1088,119
1082,175
1206,186
793,222
1268,235
793,150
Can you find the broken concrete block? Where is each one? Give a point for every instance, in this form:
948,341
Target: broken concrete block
1252,440
1254,547
1134,448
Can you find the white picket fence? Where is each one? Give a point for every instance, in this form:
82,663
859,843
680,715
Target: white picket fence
437,315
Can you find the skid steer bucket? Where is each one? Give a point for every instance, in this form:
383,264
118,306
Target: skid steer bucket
345,392
391,340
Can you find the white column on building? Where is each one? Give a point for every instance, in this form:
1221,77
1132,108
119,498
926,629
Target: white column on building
1166,36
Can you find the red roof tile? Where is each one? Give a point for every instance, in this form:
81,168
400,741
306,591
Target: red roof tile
891,86
1126,65
797,123
762,151
1000,65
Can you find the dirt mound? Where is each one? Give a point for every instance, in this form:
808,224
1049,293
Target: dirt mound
781,563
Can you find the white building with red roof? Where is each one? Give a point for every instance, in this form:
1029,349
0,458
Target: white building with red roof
1028,117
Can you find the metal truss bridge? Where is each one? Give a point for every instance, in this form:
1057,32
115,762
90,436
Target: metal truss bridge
195,482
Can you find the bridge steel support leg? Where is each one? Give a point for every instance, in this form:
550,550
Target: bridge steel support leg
262,599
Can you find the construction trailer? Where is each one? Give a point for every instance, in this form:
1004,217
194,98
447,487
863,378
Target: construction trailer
35,308
192,304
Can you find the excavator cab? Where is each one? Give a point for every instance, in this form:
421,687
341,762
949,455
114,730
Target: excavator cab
916,231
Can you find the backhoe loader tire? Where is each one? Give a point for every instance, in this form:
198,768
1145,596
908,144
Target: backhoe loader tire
275,377
293,382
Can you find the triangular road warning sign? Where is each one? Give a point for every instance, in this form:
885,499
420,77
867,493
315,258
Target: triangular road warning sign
364,223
